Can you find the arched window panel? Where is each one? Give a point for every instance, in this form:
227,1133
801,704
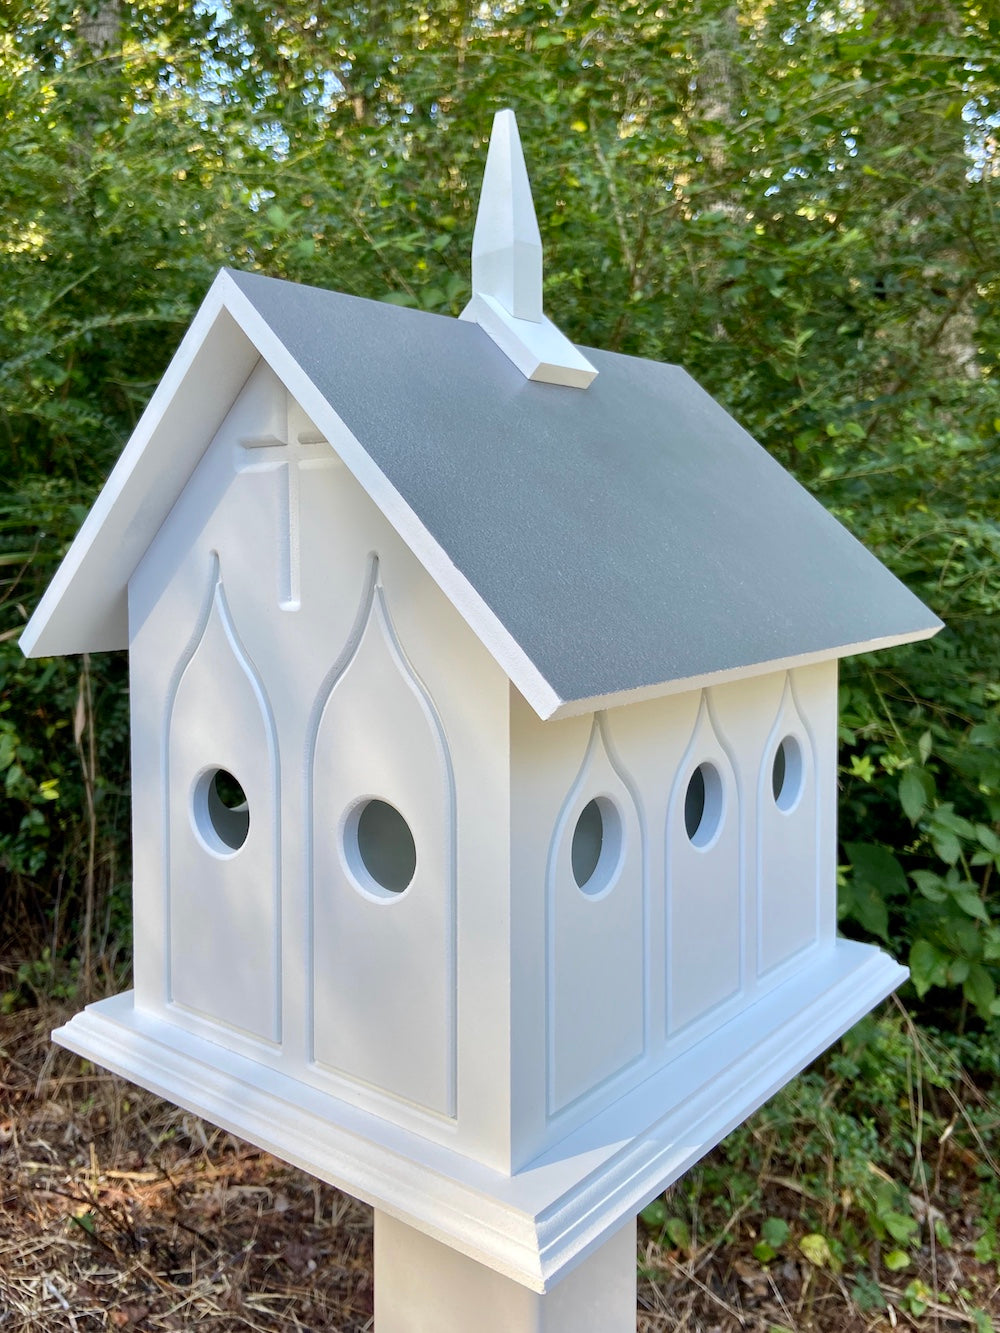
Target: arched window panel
704,880
595,980
382,849
221,829
787,839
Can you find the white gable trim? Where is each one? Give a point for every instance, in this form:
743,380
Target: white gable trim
498,641
85,608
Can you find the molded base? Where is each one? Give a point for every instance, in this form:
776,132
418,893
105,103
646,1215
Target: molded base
536,1225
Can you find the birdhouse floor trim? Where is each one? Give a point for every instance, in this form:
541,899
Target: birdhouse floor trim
537,1224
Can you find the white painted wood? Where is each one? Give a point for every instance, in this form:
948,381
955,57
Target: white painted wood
496,638
545,759
705,912
536,1224
281,438
383,957
260,415
653,746
539,350
223,886
170,597
788,883
595,957
507,269
816,695
424,1286
506,244
240,491
239,487
579,964
651,739
745,712
85,608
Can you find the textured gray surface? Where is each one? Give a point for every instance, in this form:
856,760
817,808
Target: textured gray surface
625,535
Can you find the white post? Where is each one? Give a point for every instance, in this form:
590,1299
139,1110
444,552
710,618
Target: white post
422,1286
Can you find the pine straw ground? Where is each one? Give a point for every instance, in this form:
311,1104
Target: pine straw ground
118,1211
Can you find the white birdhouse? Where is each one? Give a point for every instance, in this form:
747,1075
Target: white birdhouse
484,702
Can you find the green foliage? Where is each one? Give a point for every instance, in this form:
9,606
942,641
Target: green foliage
673,1231
773,1235
933,898
873,1151
796,203
38,980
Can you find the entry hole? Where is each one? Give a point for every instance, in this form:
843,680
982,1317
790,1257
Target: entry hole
703,804
786,773
385,846
596,845
221,810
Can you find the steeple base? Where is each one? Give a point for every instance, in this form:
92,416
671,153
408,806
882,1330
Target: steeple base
539,351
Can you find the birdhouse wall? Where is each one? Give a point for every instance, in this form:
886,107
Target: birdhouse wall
672,861
284,637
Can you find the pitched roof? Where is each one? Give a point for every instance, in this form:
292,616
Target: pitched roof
608,544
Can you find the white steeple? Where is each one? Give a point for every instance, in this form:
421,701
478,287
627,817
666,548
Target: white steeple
507,269
507,247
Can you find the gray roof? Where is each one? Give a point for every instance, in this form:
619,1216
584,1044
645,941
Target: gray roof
625,535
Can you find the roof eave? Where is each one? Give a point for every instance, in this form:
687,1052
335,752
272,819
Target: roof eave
597,702
85,607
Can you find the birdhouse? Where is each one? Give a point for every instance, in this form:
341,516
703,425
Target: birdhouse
484,744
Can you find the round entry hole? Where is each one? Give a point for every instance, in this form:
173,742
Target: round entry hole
221,810
595,847
786,773
384,846
703,804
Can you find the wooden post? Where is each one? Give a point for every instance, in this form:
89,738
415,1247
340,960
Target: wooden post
422,1286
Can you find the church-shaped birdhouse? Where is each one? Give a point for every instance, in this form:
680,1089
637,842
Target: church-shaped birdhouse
484,745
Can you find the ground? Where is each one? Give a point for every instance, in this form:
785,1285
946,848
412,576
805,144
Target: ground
118,1211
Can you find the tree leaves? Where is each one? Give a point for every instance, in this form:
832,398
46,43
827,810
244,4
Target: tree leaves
878,877
916,788
795,204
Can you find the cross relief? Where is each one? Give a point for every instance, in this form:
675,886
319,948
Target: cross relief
302,450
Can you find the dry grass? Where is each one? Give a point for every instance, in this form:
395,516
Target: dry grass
121,1212
739,1295
118,1211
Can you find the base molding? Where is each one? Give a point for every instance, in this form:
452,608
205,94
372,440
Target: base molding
538,1224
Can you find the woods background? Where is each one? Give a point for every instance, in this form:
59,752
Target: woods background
797,201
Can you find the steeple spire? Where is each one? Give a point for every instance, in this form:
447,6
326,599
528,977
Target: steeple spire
507,269
507,247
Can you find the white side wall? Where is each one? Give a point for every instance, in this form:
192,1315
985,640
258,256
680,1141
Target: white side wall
281,631
688,931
